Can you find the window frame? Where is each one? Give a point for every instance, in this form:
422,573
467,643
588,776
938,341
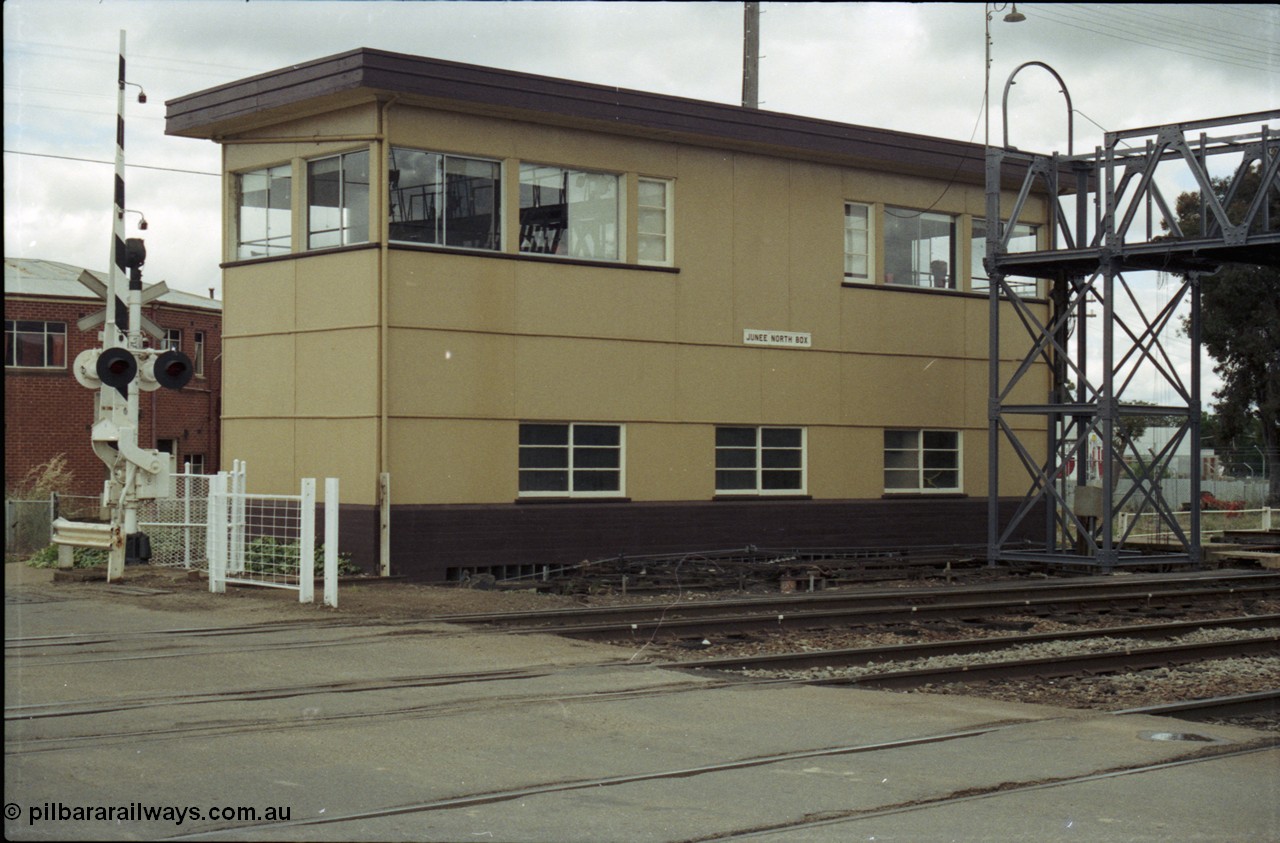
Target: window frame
565,249
668,219
759,468
978,272
918,277
354,219
197,353
920,450
571,467
49,348
273,245
442,199
870,254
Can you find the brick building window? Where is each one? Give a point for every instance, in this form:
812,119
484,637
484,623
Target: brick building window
197,355
35,345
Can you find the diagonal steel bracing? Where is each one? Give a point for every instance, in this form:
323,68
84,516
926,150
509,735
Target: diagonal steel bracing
1108,219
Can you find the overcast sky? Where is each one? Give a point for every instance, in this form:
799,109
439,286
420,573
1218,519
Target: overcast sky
911,67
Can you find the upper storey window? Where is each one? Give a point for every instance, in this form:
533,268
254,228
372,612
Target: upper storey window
654,223
36,345
1023,239
919,248
264,213
858,255
444,200
338,200
569,212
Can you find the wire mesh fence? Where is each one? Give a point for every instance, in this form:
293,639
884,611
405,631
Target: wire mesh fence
177,525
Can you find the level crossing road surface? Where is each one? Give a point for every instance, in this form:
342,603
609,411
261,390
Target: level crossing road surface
238,720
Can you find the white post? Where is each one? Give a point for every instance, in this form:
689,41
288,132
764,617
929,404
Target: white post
1266,518
186,515
384,524
216,533
331,542
307,543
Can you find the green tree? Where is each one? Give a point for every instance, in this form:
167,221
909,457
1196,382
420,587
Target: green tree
1240,329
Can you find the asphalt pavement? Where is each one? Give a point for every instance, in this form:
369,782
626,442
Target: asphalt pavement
126,719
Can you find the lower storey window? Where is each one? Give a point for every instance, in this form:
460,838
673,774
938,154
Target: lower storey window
576,460
921,461
756,460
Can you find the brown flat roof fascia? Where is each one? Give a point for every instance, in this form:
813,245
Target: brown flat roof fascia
229,110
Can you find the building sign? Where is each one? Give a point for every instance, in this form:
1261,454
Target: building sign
778,339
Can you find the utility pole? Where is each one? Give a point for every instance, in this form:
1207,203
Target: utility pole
751,55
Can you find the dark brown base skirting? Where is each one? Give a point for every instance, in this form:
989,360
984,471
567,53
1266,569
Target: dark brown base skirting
432,543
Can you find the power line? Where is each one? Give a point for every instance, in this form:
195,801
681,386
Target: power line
98,161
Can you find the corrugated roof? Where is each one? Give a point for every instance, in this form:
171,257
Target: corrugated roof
35,277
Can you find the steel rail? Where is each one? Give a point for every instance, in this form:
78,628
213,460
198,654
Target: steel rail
901,652
1059,666
1212,708
692,627
878,597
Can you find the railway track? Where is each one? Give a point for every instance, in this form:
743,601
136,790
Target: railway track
695,621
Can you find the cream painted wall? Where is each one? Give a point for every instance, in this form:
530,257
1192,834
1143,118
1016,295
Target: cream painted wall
475,344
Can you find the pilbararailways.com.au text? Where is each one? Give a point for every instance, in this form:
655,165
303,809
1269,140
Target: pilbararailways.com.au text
135,812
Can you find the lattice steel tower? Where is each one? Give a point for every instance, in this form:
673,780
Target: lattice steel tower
1120,224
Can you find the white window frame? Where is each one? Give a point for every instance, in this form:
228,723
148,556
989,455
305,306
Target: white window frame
197,354
172,339
11,332
273,242
921,255
978,280
920,468
571,448
533,242
760,468
869,255
667,209
442,197
353,226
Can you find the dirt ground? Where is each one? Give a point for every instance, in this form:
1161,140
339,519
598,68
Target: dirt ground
174,590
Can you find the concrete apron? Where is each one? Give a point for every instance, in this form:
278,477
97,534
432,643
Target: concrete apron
543,742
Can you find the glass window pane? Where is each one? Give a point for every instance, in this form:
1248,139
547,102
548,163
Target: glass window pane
780,480
900,439
734,481
30,349
736,437
941,459
544,434
544,481
653,194
472,203
544,209
780,459
919,248
941,479
596,481
416,186
940,439
596,434
735,458
596,457
544,457
780,437
898,479
901,459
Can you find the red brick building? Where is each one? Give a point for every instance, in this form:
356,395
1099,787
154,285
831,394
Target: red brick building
47,412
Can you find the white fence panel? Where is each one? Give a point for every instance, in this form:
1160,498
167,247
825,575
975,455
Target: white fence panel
270,540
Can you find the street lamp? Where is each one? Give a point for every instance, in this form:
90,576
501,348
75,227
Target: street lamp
1014,16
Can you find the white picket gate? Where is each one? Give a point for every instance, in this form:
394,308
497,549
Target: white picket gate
270,540
212,523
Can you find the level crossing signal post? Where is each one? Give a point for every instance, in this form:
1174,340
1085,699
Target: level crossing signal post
119,372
